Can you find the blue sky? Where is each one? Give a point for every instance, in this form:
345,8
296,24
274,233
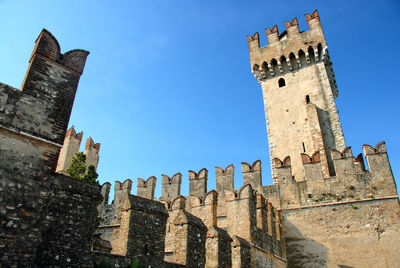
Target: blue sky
167,87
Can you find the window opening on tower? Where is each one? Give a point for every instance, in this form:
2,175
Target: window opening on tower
281,82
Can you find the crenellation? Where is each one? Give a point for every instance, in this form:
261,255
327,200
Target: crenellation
292,28
198,182
71,147
282,170
272,35
105,192
92,152
252,174
380,169
359,165
171,187
224,179
343,162
313,21
121,191
325,207
72,142
146,188
312,167
205,207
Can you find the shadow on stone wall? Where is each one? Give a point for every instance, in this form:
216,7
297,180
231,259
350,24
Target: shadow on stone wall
302,251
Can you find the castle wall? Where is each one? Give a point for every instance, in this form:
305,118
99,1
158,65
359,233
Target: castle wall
263,258
360,234
218,248
142,231
347,219
241,257
352,182
224,180
189,240
46,219
41,109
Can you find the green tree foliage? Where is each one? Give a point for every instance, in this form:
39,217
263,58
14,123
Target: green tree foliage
91,175
77,169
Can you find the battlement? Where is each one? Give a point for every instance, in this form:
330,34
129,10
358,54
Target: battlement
47,46
198,182
252,174
41,109
245,192
70,148
252,214
289,50
146,188
171,187
72,133
90,145
351,181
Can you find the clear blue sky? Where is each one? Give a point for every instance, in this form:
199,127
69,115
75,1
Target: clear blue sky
168,88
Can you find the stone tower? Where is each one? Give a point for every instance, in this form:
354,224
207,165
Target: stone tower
299,89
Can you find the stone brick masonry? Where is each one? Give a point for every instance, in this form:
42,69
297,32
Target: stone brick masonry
325,208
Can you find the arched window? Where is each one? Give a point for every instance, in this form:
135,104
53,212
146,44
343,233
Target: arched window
275,67
281,82
320,51
266,69
285,66
307,99
256,71
311,54
256,68
302,56
293,61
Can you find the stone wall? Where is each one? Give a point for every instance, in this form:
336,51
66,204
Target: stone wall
46,219
41,109
142,231
359,234
352,181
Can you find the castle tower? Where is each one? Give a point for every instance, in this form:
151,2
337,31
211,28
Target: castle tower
299,89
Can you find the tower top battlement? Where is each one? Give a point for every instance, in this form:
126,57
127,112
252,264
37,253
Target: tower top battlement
290,44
